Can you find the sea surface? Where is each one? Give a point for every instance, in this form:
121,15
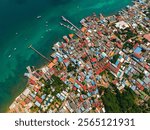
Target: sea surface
19,27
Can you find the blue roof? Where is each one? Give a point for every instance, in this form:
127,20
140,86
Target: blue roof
61,98
102,21
133,88
142,59
97,52
98,77
141,1
146,18
96,91
138,50
87,77
126,57
92,82
67,63
58,95
76,85
60,59
33,95
120,56
117,62
43,96
37,104
89,94
136,59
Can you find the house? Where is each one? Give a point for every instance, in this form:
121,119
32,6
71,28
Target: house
147,37
122,25
38,99
50,65
37,104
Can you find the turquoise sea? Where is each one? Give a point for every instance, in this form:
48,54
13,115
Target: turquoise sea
19,27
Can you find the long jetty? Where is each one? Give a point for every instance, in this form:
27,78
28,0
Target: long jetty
44,57
66,20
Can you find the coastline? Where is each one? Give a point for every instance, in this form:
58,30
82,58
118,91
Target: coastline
8,89
39,60
41,66
47,71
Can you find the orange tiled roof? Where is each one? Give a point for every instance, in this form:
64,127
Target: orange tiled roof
71,80
83,29
51,65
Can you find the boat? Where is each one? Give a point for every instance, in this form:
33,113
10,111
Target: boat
9,56
38,17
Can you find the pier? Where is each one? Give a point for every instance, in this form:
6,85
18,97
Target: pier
66,20
68,27
31,47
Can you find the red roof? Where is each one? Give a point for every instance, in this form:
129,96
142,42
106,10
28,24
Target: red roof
79,83
119,65
66,60
38,99
91,88
113,69
147,66
141,87
41,73
84,55
27,100
93,60
82,79
108,44
147,37
95,65
136,45
99,33
115,81
84,88
35,89
63,78
137,55
100,70
74,88
119,45
32,82
81,99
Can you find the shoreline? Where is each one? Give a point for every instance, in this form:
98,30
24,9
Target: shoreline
47,16
55,44
52,51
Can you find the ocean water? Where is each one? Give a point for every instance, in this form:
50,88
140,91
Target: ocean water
19,27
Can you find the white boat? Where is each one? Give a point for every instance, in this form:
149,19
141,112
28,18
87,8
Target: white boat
38,17
9,56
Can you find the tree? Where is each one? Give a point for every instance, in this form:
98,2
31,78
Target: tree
121,102
71,68
115,58
110,101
